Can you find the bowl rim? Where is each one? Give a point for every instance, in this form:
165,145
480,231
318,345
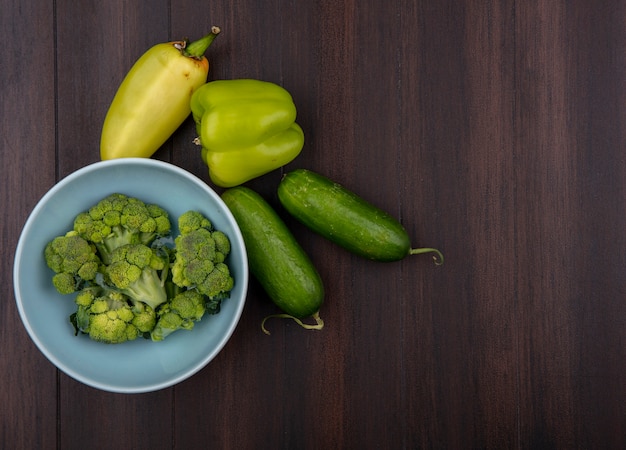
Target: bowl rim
19,250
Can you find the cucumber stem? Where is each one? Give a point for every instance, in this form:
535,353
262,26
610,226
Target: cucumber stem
319,323
438,258
197,48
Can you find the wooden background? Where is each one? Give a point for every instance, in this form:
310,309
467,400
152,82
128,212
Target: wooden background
493,129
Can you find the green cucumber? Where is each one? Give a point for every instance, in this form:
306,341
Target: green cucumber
276,259
346,219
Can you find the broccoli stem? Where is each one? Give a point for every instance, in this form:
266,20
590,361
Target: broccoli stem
148,289
119,237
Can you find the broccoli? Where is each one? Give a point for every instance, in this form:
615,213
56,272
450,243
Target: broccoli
222,245
214,304
117,220
192,220
144,317
218,281
179,313
105,315
131,277
74,261
139,272
199,257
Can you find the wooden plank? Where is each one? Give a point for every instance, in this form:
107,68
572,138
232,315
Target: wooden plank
28,414
457,166
97,45
242,388
570,203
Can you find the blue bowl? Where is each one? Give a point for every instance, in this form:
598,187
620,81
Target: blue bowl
140,365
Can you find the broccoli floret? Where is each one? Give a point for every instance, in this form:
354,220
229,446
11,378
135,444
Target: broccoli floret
198,262
105,315
222,245
139,272
118,220
65,283
192,220
179,313
74,261
218,281
194,258
145,317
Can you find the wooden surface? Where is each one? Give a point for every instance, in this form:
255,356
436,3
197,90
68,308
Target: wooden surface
494,130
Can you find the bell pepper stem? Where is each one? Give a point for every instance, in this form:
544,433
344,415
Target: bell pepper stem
197,48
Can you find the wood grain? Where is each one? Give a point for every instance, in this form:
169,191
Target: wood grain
29,396
493,130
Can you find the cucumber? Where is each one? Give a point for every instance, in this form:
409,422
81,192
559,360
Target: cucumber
346,219
275,258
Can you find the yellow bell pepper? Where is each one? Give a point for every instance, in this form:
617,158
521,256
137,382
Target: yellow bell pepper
154,98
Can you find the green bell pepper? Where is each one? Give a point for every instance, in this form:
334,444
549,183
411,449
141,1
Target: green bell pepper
246,128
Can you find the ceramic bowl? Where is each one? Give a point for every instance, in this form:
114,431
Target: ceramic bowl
140,365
